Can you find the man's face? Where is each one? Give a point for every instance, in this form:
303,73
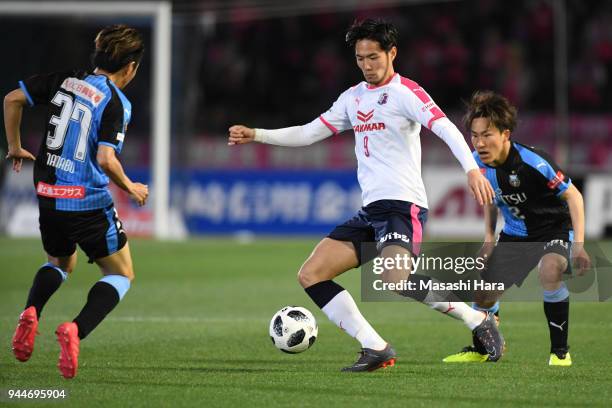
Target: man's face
491,144
375,64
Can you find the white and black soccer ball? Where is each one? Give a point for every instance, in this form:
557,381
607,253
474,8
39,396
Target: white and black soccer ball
293,329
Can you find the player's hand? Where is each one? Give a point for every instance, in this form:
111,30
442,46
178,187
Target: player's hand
139,193
485,251
480,187
18,155
239,134
581,262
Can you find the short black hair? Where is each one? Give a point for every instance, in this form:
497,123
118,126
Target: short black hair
492,106
377,30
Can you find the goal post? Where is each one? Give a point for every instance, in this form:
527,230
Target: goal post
161,15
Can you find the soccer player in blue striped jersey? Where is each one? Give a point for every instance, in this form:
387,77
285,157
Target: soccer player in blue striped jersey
87,119
543,216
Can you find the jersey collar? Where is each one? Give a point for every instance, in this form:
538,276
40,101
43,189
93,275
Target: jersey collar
511,159
383,84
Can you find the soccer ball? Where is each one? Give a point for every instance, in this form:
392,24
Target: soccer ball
293,329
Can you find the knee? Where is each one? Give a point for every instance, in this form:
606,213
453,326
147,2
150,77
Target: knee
308,275
551,268
126,271
129,273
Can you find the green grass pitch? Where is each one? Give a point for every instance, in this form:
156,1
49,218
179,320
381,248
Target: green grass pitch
193,331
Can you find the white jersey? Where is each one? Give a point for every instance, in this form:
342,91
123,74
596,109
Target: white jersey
387,121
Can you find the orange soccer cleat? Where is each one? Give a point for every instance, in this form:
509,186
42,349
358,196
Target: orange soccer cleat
25,334
68,339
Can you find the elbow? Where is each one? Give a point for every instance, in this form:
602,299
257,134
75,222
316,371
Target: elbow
14,97
105,163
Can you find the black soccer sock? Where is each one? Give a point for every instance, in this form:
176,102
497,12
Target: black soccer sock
322,292
422,294
420,283
557,315
101,300
48,279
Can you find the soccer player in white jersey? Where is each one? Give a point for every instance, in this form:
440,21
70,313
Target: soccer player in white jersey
386,113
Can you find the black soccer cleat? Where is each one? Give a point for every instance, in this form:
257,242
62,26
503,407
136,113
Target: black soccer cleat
490,337
371,360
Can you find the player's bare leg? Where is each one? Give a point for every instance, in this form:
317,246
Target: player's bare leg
101,300
556,307
329,259
46,282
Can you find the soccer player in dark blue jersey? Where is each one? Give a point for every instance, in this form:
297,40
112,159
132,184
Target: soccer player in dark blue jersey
543,221
87,119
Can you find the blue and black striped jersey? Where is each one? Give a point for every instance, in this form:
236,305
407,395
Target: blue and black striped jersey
84,111
528,186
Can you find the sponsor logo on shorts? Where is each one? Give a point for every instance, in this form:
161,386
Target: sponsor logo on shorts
395,236
556,242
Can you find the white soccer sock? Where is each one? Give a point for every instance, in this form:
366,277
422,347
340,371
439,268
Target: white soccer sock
459,311
343,311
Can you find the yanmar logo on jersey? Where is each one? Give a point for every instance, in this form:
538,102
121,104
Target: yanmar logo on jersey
367,127
83,89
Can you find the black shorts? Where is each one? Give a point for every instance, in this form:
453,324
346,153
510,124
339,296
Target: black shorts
99,233
385,222
514,257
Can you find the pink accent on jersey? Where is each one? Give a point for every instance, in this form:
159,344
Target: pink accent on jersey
437,114
417,90
383,84
417,229
423,97
364,117
329,125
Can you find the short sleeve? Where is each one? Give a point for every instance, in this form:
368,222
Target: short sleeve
418,105
39,89
336,118
554,178
112,124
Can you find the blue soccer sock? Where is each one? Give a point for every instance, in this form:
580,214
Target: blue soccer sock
47,280
493,309
101,300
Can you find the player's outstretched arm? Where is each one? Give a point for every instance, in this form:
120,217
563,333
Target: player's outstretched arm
14,102
239,134
112,167
479,186
580,259
290,136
